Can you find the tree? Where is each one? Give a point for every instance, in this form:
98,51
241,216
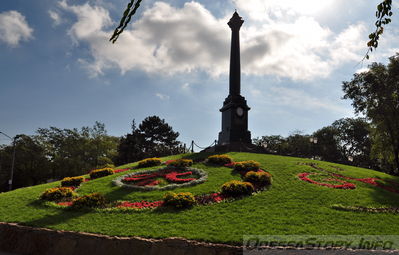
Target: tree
75,152
153,138
273,143
32,167
354,141
327,147
375,93
130,147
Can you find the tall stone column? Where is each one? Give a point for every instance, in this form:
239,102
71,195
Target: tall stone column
235,24
235,134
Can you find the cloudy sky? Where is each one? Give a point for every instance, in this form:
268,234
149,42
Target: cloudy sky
57,67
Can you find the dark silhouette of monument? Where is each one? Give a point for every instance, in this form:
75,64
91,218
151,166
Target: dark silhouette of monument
235,135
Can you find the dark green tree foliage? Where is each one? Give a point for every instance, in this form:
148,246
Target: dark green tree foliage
153,138
299,145
383,14
130,10
274,143
354,141
327,147
375,93
56,153
296,144
343,140
74,152
31,165
130,148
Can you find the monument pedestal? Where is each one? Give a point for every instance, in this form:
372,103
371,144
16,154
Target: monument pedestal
234,121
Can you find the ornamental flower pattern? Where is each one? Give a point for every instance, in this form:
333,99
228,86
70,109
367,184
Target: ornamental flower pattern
162,179
334,177
343,185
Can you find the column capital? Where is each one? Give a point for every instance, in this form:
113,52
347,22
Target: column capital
235,21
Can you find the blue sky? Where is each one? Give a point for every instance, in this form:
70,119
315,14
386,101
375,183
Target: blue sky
58,69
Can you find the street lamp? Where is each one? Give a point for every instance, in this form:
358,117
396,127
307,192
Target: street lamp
313,141
13,158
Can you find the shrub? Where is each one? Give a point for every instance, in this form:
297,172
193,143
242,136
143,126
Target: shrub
220,159
91,200
179,200
259,179
148,162
246,166
181,163
106,165
57,194
72,181
237,188
101,173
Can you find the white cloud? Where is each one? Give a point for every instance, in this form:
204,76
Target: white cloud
14,28
185,86
298,98
162,96
171,40
55,16
362,70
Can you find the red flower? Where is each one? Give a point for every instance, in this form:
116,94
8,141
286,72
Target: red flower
65,203
121,170
229,164
141,205
173,177
344,185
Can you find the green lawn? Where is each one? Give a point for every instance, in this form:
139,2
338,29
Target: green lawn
290,206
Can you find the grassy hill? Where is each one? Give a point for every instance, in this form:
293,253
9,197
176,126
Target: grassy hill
290,206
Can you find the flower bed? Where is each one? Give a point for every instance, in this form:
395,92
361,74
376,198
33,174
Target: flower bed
343,185
166,178
394,210
161,179
121,170
140,205
200,200
392,187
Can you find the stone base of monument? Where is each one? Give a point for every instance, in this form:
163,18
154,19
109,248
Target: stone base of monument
236,147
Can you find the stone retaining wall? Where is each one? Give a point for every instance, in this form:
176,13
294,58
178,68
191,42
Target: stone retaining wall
19,239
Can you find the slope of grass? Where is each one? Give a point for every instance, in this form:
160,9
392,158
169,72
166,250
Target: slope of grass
290,206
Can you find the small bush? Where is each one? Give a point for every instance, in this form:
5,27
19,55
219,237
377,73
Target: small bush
91,201
179,200
107,165
58,194
220,159
72,181
148,162
259,179
181,163
237,188
101,173
246,166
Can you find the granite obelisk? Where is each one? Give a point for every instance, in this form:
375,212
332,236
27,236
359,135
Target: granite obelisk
235,109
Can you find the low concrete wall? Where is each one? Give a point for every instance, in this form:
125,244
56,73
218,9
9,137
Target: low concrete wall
19,239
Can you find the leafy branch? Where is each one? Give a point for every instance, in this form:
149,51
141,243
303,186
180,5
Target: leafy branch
127,16
383,14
